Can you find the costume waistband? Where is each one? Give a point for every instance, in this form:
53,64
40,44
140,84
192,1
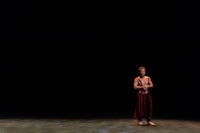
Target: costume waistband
143,92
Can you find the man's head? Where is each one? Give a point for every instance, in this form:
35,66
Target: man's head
142,71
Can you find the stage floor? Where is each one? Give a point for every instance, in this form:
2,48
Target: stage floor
96,126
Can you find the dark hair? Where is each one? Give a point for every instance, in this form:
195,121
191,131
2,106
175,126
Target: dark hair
140,68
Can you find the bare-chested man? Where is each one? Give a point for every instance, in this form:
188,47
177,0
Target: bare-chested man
143,108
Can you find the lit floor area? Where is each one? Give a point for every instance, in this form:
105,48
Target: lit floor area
96,126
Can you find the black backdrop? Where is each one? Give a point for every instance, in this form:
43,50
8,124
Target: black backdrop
95,78
80,61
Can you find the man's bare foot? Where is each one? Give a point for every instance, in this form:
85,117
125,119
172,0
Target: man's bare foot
140,123
151,123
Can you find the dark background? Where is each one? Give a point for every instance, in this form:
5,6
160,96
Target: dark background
80,59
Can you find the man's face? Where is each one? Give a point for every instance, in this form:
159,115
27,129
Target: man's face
142,72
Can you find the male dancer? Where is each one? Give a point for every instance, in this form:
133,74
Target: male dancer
143,108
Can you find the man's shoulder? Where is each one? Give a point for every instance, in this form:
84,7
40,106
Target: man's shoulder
147,77
136,78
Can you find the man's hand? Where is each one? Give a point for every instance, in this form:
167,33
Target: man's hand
145,87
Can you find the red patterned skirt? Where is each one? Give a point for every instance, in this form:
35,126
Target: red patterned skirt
143,106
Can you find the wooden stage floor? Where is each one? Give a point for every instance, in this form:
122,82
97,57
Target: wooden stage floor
96,126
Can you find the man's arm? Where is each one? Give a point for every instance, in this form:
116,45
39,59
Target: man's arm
150,83
135,85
